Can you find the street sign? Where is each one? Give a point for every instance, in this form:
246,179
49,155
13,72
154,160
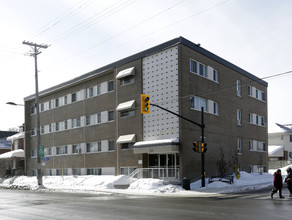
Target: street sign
41,151
45,158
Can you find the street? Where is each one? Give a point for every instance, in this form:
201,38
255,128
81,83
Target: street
21,204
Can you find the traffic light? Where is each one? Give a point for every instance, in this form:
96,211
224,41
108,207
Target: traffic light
145,104
203,147
196,146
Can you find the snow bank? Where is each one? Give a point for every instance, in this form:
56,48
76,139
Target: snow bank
108,183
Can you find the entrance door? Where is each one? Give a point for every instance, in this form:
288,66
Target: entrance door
164,165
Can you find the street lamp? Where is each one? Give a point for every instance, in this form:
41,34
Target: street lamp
12,103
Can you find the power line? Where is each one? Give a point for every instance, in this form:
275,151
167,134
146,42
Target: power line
67,15
145,35
89,22
115,35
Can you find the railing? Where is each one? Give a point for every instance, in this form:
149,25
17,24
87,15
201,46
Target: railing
275,164
156,173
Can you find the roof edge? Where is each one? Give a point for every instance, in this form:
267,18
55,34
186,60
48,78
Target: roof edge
147,52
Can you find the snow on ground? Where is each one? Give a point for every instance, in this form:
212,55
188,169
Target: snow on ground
115,184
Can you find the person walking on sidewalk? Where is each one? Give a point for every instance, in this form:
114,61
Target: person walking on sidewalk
278,184
288,180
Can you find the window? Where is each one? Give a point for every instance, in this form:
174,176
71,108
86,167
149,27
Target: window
94,171
202,70
42,129
48,151
90,92
257,145
257,168
215,75
98,91
290,138
127,113
77,171
91,120
260,95
110,86
74,97
127,80
62,101
60,126
193,66
249,90
56,103
197,103
239,114
32,110
238,88
42,107
62,150
260,120
126,145
239,146
261,146
198,68
251,145
256,119
33,132
111,145
216,108
63,171
75,149
48,172
93,147
256,93
110,115
34,172
75,122
127,170
98,118
34,153
77,96
250,118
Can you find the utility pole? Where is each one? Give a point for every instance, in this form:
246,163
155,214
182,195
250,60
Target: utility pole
36,51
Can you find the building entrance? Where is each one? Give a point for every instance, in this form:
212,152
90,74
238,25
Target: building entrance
164,165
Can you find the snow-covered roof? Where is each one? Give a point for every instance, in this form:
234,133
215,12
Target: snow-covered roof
280,128
15,137
276,151
157,142
12,154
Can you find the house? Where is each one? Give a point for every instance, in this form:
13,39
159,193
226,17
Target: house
5,146
92,124
280,142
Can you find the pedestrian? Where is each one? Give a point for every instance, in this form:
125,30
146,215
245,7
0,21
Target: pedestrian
278,184
288,180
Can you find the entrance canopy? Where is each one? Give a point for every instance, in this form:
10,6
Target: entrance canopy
157,146
13,154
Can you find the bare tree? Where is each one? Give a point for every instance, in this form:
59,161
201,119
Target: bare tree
222,165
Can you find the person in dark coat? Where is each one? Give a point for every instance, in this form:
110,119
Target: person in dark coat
288,180
278,184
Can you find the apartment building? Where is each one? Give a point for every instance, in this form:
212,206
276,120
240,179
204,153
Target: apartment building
92,125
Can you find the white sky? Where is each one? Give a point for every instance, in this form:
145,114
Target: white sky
85,34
